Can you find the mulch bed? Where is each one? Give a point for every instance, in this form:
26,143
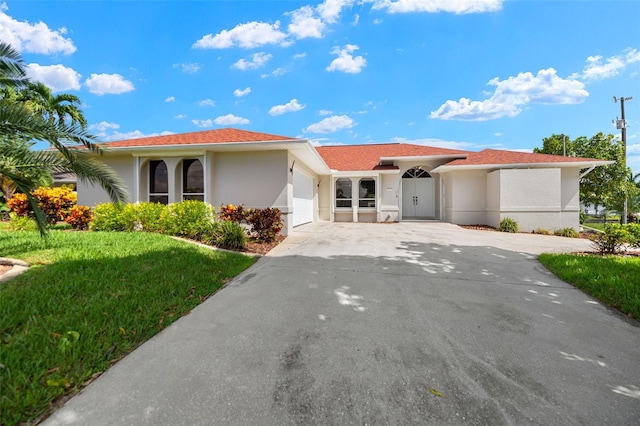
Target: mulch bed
259,247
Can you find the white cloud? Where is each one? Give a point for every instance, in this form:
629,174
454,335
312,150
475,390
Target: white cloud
435,6
102,84
275,73
300,55
498,134
203,123
595,69
108,132
190,68
377,21
207,102
356,19
345,62
257,60
325,112
331,124
244,92
57,77
170,99
230,119
103,126
330,10
33,38
180,116
248,36
292,106
304,24
512,94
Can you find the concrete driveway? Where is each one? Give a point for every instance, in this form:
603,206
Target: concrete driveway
410,323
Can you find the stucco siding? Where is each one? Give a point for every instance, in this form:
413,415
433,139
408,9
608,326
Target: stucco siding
255,179
124,166
465,197
389,198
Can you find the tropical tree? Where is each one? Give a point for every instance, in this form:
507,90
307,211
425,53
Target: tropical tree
606,185
56,109
21,126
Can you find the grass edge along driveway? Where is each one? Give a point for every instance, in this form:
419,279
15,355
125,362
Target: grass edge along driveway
89,299
614,280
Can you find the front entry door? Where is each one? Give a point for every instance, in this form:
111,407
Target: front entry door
418,195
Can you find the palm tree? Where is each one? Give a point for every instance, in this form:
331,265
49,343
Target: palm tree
54,108
21,127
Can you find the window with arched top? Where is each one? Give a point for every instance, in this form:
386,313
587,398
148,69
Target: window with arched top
416,172
367,193
343,192
158,182
192,180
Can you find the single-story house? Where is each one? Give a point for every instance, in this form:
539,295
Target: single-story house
387,182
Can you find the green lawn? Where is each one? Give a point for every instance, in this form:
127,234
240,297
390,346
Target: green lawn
614,280
89,299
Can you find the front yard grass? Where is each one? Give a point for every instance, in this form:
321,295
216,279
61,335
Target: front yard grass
89,299
614,280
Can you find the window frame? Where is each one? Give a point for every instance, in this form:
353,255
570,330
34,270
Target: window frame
367,202
344,199
155,196
191,195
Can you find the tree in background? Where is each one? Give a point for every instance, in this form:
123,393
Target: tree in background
22,124
606,185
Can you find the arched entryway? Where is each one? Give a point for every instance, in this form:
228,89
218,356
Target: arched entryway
418,194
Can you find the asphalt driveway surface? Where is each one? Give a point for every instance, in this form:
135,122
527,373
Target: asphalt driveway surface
410,323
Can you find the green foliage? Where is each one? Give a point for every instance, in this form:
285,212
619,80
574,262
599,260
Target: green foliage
189,219
614,280
265,223
567,232
32,113
147,216
508,225
113,217
583,217
604,185
21,223
612,240
230,235
96,297
542,231
633,234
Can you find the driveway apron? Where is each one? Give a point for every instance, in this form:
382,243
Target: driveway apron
409,323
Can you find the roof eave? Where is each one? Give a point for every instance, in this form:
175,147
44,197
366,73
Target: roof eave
575,164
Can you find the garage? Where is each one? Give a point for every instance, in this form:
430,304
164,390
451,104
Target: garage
302,197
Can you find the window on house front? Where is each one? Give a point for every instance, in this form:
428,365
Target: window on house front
158,182
343,192
192,180
367,193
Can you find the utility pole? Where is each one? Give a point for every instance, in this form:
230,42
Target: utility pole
622,126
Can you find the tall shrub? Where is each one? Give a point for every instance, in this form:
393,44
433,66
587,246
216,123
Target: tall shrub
189,219
265,223
55,203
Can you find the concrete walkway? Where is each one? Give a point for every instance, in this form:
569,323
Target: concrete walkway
410,323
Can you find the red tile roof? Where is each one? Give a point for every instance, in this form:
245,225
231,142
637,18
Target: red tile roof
367,157
226,135
498,157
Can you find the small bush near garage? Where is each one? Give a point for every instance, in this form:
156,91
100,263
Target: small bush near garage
265,223
542,231
567,232
508,225
612,240
229,235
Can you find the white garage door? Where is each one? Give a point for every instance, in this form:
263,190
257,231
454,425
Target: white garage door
302,198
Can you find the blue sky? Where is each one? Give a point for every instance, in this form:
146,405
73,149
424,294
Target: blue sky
466,74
